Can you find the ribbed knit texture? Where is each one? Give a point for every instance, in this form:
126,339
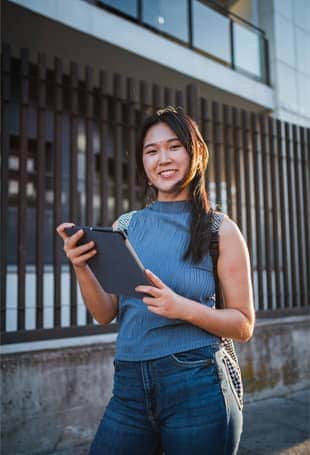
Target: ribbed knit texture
160,234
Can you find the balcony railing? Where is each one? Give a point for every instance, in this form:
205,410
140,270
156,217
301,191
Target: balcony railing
203,26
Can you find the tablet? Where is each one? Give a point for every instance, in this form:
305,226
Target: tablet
116,265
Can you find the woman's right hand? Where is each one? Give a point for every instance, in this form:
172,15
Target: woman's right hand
78,255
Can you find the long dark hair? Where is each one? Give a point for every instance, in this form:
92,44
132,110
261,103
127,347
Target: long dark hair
189,135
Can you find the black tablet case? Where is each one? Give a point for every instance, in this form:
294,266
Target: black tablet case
114,265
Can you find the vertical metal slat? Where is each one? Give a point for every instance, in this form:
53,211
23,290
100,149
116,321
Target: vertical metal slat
22,189
58,149
73,185
103,132
131,135
274,213
283,212
6,96
118,157
267,208
258,183
291,212
40,209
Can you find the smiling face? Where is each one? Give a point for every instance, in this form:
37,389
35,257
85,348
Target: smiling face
166,162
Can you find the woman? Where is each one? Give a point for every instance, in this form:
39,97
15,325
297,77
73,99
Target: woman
172,391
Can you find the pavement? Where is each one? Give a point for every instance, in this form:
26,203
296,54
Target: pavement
278,425
272,426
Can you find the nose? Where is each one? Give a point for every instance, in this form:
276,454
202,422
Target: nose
164,156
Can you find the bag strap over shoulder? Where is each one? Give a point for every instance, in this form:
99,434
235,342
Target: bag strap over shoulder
214,253
124,220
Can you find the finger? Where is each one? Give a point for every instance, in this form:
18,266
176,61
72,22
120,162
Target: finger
84,258
150,301
73,239
154,279
60,229
75,252
148,290
154,309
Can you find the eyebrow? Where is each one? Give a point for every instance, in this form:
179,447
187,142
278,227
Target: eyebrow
168,140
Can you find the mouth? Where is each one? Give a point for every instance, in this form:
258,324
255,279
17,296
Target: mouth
167,173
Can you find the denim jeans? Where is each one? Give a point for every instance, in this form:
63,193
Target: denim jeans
182,403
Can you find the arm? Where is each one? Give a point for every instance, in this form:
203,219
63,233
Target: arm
102,305
237,319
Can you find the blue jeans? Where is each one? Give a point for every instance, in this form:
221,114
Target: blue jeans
178,404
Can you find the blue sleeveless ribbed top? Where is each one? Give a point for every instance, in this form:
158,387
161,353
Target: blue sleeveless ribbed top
160,234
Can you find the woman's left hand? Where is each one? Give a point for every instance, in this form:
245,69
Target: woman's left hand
162,301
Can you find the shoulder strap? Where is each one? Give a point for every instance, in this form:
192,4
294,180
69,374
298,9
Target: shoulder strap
214,253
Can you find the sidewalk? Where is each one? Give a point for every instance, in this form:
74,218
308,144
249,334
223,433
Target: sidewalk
275,426
272,426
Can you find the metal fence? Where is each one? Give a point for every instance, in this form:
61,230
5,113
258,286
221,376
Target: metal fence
68,154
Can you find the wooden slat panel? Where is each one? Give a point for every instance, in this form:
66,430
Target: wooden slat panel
118,144
305,160
300,219
229,156
217,148
267,208
40,177
237,141
275,212
145,101
89,168
131,137
179,99
291,212
156,96
192,101
58,150
73,185
247,177
103,133
259,214
205,129
22,189
6,98
168,97
284,209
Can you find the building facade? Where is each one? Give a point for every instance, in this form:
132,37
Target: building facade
79,75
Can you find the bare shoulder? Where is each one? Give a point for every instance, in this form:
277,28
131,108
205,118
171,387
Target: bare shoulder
228,226
230,235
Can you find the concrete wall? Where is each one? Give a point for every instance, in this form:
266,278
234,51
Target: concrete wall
287,24
54,398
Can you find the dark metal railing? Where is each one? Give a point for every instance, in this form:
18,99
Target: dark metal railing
68,153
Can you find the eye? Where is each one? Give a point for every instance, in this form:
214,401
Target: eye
151,151
175,146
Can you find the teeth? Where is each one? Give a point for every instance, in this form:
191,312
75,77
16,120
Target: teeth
167,173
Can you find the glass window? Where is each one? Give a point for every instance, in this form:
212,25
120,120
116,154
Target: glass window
129,7
247,53
169,17
211,32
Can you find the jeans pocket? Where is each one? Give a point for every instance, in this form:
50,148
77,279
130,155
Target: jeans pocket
194,357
